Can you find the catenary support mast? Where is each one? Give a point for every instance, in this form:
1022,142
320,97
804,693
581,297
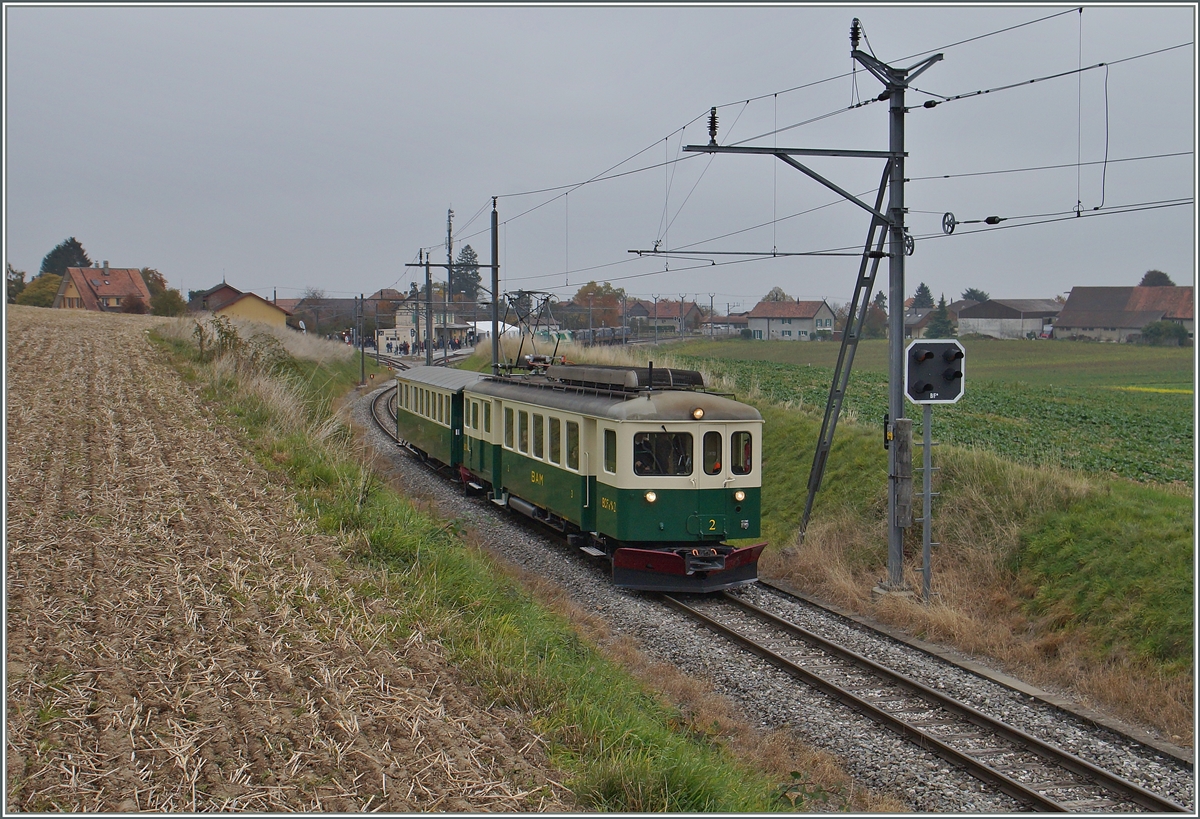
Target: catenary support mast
895,81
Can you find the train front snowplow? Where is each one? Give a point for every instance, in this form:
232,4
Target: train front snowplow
686,570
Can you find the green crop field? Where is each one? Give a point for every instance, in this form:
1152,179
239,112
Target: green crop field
1100,408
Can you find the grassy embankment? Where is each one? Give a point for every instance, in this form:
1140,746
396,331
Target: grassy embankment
623,747
1065,519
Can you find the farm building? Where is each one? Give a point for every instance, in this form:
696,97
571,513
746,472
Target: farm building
227,300
642,313
916,318
790,320
1120,313
1009,318
104,289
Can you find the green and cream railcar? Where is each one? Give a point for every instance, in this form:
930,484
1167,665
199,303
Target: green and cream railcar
656,479
429,411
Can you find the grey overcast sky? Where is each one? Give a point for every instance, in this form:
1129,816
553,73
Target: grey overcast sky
289,148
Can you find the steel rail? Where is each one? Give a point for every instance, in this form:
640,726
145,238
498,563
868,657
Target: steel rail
922,739
1051,753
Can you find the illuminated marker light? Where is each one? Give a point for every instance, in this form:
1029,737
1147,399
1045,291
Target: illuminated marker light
739,496
651,497
698,413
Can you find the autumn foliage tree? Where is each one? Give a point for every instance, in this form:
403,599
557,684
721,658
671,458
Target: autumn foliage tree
604,301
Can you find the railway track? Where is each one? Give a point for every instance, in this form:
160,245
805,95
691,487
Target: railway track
1026,768
1012,761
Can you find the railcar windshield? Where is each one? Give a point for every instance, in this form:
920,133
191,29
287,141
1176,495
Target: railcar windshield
662,453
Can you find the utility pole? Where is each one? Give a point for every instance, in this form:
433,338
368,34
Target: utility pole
895,81
656,319
449,286
495,291
681,297
362,347
591,338
711,296
428,313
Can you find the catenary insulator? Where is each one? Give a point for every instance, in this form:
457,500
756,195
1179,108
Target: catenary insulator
855,33
712,126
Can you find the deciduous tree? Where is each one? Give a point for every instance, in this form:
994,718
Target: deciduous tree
133,304
15,283
41,291
777,294
155,282
68,253
604,301
168,303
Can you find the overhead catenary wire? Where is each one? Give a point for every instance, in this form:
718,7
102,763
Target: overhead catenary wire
775,220
1025,83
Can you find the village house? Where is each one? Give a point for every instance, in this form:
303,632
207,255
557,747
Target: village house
1010,318
916,318
644,314
226,300
1119,313
790,320
104,289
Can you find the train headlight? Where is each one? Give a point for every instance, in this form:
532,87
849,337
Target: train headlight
739,496
651,496
698,413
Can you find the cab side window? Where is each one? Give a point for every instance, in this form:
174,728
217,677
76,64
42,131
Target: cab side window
712,453
523,431
610,450
539,434
740,451
508,427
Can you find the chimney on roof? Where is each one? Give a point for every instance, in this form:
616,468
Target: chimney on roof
106,264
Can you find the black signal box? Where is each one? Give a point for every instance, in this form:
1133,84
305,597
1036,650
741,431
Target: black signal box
933,371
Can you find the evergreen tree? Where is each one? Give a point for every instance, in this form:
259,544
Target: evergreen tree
67,254
923,297
940,325
465,276
975,294
1156,278
881,302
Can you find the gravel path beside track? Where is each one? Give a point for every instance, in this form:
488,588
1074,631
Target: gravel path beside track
176,641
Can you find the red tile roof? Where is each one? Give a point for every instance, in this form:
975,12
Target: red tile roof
786,309
98,283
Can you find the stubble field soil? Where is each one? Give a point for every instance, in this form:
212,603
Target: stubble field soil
178,640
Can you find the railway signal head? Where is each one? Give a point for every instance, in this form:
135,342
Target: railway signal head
933,371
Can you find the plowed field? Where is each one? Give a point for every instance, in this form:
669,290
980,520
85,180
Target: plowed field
178,640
